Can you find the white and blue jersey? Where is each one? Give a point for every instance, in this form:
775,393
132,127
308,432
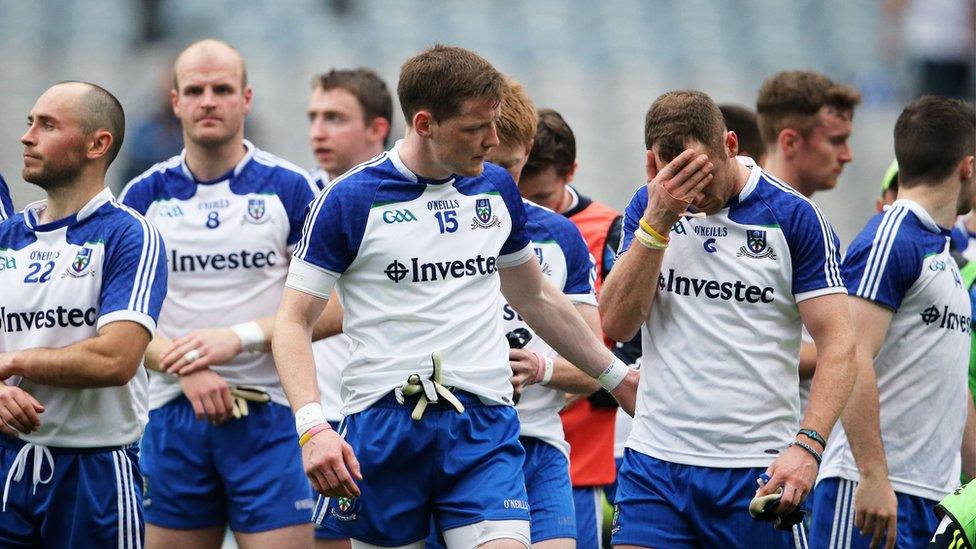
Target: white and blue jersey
901,261
62,282
722,340
566,262
6,205
416,262
228,242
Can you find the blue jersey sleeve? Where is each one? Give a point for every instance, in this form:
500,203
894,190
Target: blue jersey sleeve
6,204
813,250
518,239
334,225
134,277
580,269
138,195
296,195
882,263
633,213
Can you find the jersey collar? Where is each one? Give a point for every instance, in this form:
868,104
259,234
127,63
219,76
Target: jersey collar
251,149
33,212
922,216
394,155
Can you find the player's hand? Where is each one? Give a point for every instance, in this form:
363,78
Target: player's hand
209,395
876,509
795,470
671,190
19,411
201,349
331,465
626,392
525,367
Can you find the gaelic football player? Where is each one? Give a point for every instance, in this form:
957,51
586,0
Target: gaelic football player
720,317
6,205
83,281
413,447
219,449
898,452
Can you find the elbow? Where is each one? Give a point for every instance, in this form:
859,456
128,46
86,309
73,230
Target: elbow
120,373
617,329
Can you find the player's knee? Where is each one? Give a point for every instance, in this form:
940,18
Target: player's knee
490,534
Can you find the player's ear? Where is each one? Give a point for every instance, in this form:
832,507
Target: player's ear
174,99
651,164
571,173
379,128
967,167
789,141
731,144
248,96
422,121
98,144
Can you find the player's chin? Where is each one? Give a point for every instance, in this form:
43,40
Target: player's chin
472,170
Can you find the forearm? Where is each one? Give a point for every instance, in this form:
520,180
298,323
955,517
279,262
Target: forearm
90,363
628,291
330,321
293,358
862,422
154,352
833,381
570,379
808,359
550,314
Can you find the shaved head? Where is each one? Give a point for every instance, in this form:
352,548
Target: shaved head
208,51
96,109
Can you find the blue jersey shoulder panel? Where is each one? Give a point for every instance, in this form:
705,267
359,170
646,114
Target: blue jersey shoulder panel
885,259
163,181
546,225
6,204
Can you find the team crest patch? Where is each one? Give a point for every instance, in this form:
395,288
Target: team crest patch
81,265
483,217
756,246
256,210
346,509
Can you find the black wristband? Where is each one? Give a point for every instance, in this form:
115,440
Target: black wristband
814,436
810,450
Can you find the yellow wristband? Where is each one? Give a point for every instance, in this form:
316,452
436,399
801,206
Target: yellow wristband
651,232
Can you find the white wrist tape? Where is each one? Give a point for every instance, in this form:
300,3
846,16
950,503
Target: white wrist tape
252,336
547,374
309,416
613,375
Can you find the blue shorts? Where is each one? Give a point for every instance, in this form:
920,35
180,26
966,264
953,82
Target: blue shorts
833,518
610,490
247,472
589,516
92,498
459,468
663,504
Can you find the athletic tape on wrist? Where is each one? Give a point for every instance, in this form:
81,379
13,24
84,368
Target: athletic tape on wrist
613,375
309,416
648,241
547,375
252,336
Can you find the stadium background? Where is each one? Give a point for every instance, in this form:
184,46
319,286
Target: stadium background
599,63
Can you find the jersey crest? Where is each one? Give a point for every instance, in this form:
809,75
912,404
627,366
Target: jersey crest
756,245
81,265
256,210
483,217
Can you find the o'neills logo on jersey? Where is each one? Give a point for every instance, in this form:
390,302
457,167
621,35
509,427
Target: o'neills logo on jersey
714,289
433,271
243,259
943,318
61,317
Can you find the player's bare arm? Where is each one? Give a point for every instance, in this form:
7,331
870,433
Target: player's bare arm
329,461
330,321
626,296
212,346
564,376
875,504
110,359
19,411
548,311
154,352
828,320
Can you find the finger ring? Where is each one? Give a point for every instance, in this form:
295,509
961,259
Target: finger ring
191,355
